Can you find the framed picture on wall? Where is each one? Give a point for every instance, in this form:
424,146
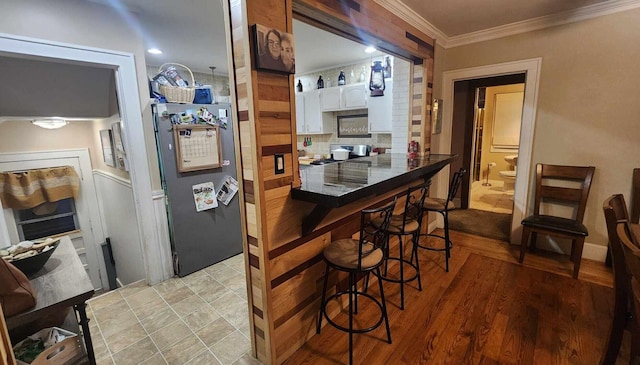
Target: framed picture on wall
107,147
273,50
119,153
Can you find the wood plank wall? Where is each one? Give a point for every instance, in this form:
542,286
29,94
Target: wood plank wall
285,269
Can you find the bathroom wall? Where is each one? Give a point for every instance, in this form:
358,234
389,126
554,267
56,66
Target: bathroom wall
488,156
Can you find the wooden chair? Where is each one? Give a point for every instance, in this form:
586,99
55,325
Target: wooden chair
629,243
359,258
635,196
443,206
551,187
408,223
615,211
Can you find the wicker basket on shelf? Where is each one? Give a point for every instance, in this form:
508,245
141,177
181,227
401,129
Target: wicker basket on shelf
177,94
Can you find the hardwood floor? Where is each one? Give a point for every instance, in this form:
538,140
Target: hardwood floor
487,310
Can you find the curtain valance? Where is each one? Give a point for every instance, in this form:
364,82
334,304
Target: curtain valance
28,189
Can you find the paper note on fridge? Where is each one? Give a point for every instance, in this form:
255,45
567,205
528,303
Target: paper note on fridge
204,196
227,190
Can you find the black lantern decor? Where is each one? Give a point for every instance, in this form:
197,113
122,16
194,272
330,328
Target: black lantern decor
376,83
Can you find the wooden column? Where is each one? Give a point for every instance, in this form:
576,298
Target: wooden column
285,269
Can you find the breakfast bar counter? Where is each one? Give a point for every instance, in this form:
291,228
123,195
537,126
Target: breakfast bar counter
340,183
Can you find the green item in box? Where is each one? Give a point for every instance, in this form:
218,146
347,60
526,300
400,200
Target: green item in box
29,349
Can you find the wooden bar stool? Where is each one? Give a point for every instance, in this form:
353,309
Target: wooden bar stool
443,206
406,224
357,258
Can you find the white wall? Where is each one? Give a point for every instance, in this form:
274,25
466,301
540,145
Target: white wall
587,110
400,114
120,224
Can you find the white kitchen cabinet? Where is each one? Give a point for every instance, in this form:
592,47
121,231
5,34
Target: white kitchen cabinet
330,98
346,97
300,113
314,121
354,96
380,110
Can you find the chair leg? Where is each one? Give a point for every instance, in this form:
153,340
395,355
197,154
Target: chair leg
616,329
523,243
324,295
534,241
351,280
447,241
576,255
401,272
384,306
414,252
355,296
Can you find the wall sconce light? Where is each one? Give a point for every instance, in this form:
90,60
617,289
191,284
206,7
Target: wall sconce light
54,123
376,82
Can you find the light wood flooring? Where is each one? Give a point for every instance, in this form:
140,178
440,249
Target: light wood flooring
487,310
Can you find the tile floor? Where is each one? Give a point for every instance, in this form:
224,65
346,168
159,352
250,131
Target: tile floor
201,319
491,198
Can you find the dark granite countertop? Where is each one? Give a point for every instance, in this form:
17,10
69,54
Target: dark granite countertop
337,184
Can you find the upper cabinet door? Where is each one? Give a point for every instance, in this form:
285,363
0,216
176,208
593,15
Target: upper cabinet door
312,112
330,98
300,124
354,96
381,110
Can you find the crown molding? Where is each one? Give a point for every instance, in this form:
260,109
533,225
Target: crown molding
571,16
587,12
410,16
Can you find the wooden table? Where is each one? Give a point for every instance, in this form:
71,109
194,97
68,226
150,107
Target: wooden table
60,284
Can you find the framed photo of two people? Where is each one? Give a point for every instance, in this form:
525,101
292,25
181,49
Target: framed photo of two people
273,50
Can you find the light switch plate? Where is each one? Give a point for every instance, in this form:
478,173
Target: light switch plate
279,163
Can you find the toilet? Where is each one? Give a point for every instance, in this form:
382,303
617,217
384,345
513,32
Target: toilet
509,176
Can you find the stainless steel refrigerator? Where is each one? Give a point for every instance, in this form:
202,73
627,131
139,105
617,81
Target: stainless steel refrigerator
198,239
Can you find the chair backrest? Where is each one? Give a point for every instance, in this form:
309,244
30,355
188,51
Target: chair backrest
454,185
635,196
378,235
547,187
630,248
414,203
615,211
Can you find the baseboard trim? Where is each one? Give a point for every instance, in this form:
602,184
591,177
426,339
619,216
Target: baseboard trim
594,252
591,251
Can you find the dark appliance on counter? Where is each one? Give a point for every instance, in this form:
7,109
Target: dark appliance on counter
198,239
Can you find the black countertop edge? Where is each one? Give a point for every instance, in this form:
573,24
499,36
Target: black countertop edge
427,171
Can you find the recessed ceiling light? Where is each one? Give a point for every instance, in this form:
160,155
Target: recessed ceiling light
370,49
154,51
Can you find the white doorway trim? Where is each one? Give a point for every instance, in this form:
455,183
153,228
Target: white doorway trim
442,142
156,256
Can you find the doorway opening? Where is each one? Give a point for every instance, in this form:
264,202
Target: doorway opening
487,117
495,143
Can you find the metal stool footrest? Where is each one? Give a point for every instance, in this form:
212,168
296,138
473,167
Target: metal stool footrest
435,248
355,330
400,280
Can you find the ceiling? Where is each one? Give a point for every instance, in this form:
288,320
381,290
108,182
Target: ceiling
192,32
475,15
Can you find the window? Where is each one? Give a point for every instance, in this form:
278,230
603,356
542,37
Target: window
46,219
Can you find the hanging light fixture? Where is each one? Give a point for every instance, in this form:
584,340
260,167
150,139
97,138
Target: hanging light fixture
53,123
376,82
